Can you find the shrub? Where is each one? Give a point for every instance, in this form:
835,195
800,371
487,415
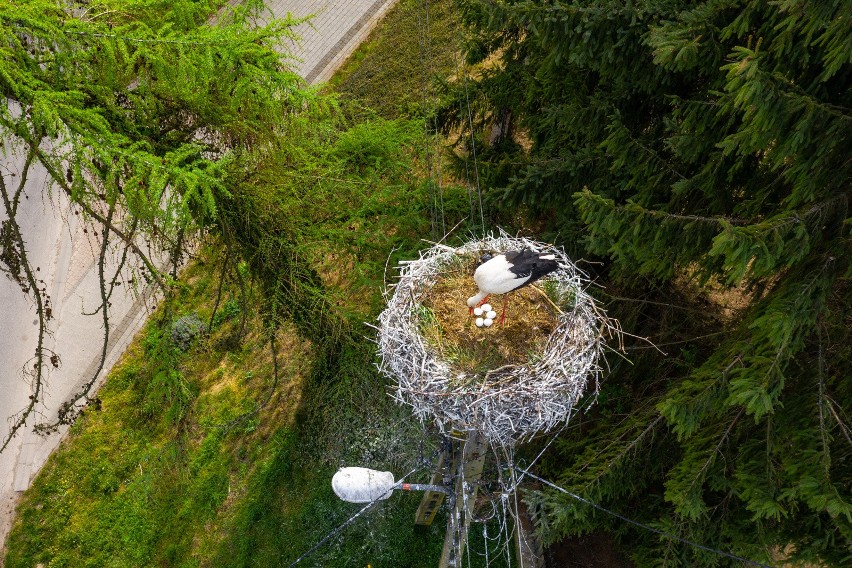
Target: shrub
186,329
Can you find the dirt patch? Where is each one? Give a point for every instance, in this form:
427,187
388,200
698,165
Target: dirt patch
595,550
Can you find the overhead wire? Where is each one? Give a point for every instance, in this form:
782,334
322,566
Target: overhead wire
522,541
472,142
485,540
334,532
642,525
427,95
429,102
433,113
458,59
503,529
541,453
504,498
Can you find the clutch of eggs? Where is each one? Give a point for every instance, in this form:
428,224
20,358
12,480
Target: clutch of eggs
485,311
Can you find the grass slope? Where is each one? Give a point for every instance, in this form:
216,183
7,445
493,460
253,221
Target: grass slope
149,467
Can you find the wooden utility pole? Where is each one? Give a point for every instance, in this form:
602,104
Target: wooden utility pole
464,460
468,471
431,502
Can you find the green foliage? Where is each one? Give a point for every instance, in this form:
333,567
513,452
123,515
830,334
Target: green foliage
229,310
373,144
700,146
146,105
323,231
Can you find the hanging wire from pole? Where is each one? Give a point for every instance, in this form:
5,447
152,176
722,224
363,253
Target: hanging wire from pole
485,540
504,498
642,525
426,143
433,113
461,71
457,59
433,159
464,78
522,543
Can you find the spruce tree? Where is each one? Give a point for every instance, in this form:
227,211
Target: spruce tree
700,150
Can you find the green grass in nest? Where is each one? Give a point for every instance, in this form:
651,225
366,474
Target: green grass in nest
448,326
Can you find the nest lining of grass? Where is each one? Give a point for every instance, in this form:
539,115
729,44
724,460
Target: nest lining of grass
509,382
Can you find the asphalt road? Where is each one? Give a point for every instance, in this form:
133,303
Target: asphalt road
65,257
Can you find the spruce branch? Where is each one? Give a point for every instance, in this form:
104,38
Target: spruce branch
699,477
60,180
615,461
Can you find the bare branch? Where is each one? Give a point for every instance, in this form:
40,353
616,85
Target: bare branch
68,410
42,303
220,287
847,432
23,182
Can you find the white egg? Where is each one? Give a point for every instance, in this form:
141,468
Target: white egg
477,311
487,322
486,307
491,314
480,322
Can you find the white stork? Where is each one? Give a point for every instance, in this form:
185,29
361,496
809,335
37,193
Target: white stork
509,271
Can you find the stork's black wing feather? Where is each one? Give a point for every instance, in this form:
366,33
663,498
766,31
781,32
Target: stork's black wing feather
512,254
527,263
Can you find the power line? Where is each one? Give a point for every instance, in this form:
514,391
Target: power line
333,533
458,63
350,520
433,113
160,40
422,38
642,525
473,143
541,453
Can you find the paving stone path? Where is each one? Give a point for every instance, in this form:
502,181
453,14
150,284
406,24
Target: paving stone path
337,28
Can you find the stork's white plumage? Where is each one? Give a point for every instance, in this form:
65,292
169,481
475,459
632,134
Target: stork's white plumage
509,271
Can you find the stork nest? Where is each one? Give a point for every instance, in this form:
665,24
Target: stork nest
509,381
